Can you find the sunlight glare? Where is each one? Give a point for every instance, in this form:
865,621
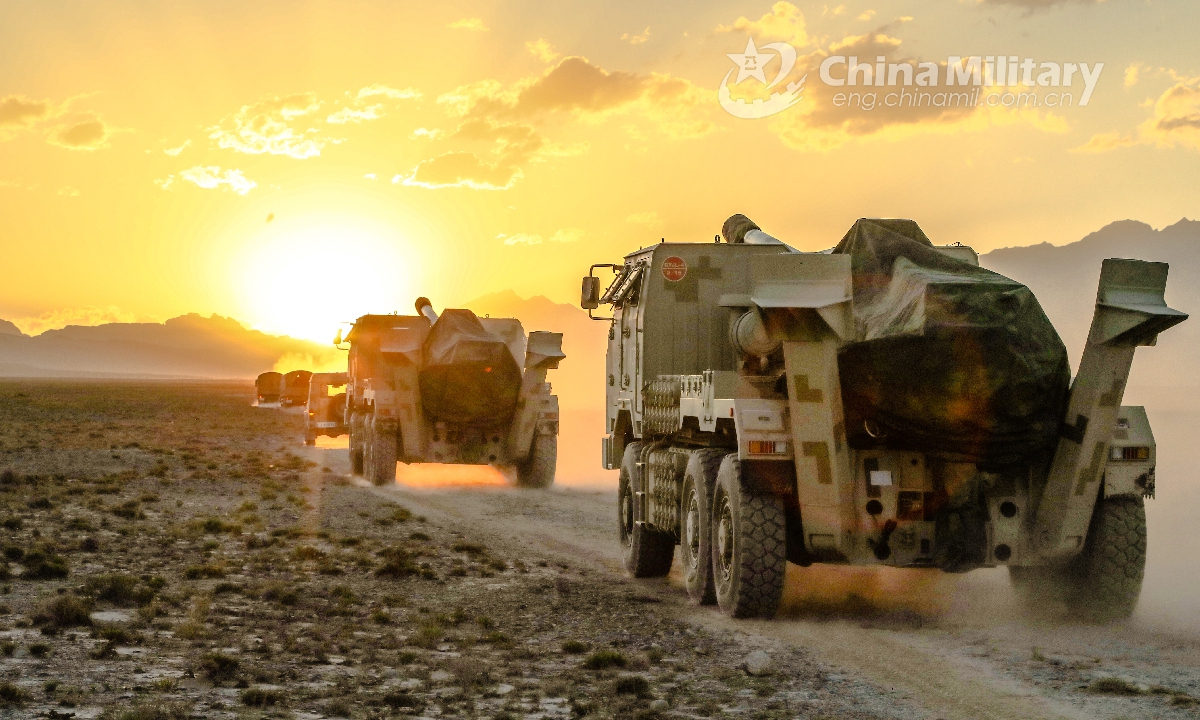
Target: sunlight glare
304,278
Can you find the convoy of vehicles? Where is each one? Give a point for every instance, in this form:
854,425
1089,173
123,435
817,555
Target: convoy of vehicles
887,402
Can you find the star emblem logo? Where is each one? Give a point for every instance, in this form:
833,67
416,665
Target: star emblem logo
750,63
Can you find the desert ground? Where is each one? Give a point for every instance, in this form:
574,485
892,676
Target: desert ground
171,551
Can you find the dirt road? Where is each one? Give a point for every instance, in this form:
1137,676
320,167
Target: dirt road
927,645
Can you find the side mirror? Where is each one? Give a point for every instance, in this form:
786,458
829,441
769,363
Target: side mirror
337,339
590,294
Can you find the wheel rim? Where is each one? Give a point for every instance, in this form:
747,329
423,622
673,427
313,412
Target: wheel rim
724,535
692,529
626,518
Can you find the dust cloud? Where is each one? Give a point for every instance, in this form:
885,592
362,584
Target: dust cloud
1170,599
331,361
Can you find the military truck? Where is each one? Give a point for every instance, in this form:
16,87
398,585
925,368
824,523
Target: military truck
268,387
454,388
325,411
295,388
885,402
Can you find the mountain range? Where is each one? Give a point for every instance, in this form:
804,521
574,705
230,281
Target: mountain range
1064,280
189,346
1062,277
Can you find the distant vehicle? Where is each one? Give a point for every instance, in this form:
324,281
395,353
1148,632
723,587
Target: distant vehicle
295,388
325,411
269,386
887,402
454,388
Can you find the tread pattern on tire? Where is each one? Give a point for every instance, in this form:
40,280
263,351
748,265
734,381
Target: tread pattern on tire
760,548
1104,581
1113,563
381,465
538,469
357,464
703,465
645,552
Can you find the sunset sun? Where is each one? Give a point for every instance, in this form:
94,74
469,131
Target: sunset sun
304,278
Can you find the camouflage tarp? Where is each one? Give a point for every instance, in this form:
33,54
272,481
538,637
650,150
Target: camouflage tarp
468,375
950,359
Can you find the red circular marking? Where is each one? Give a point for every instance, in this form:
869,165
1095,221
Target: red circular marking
674,268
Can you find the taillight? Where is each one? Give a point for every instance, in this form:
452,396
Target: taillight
1135,452
767,447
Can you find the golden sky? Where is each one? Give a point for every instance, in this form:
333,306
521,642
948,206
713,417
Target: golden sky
294,164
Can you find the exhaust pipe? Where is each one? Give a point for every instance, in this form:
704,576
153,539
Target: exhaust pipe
424,307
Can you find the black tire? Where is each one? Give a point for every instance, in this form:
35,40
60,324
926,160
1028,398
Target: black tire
310,438
644,552
1103,582
749,546
695,525
357,459
381,458
538,469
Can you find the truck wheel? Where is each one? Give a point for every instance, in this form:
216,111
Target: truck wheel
1114,559
1104,581
357,464
695,546
381,465
538,469
645,552
749,546
310,438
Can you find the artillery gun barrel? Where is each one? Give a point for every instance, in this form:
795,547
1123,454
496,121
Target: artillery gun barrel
424,307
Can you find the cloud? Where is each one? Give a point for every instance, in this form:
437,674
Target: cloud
366,105
566,235
473,24
1176,116
355,115
866,15
211,177
463,169
508,147
817,123
18,111
1174,121
648,219
504,116
784,22
383,91
1103,142
266,127
574,85
541,49
1032,5
1132,73
637,39
174,152
86,132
